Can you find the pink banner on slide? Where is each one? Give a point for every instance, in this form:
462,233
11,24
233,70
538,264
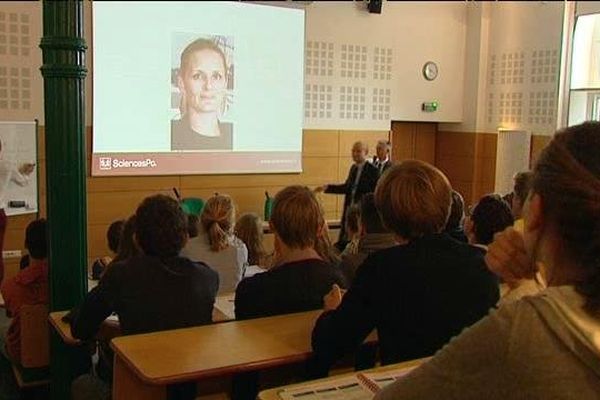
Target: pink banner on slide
111,164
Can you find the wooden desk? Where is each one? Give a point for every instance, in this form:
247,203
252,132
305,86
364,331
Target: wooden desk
273,394
145,364
63,328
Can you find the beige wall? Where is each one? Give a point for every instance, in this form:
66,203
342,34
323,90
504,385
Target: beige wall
512,67
469,160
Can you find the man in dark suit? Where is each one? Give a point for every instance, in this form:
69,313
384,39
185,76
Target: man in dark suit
362,179
382,158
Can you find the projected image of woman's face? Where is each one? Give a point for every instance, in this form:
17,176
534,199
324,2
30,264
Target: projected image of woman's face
203,81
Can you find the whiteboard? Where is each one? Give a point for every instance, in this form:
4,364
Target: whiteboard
19,146
512,156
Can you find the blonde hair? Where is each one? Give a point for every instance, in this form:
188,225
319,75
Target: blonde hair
414,199
249,230
217,220
296,217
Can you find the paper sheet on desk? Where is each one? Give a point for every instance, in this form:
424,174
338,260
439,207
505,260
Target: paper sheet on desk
113,318
379,380
349,388
252,270
226,305
361,386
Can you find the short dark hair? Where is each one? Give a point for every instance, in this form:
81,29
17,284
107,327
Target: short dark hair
369,216
160,226
113,235
490,216
457,212
36,239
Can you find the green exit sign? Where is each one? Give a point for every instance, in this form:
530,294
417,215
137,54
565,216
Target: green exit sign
430,106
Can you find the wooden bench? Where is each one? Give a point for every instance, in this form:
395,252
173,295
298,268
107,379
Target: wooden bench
35,347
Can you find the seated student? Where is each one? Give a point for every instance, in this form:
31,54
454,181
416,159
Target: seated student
249,230
156,290
28,287
545,346
301,274
216,245
488,217
418,294
127,249
112,238
374,236
454,226
300,277
521,189
352,230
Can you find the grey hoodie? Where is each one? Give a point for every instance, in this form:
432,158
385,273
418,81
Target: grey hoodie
541,347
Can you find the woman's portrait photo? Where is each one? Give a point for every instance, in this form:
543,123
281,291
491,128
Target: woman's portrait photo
202,93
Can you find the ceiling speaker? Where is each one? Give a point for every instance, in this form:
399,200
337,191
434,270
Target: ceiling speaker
375,6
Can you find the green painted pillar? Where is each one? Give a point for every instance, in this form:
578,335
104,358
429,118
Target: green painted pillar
63,48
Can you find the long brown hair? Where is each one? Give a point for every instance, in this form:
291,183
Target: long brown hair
324,248
249,230
127,246
217,220
567,177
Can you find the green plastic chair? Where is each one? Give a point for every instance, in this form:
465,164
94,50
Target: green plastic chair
192,205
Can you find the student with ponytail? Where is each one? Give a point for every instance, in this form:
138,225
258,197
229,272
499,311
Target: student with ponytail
545,346
216,245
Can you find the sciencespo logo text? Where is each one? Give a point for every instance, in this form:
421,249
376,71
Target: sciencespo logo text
108,163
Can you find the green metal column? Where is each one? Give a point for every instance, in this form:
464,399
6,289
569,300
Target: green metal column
64,71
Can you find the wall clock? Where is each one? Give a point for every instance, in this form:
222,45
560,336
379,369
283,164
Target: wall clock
430,70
